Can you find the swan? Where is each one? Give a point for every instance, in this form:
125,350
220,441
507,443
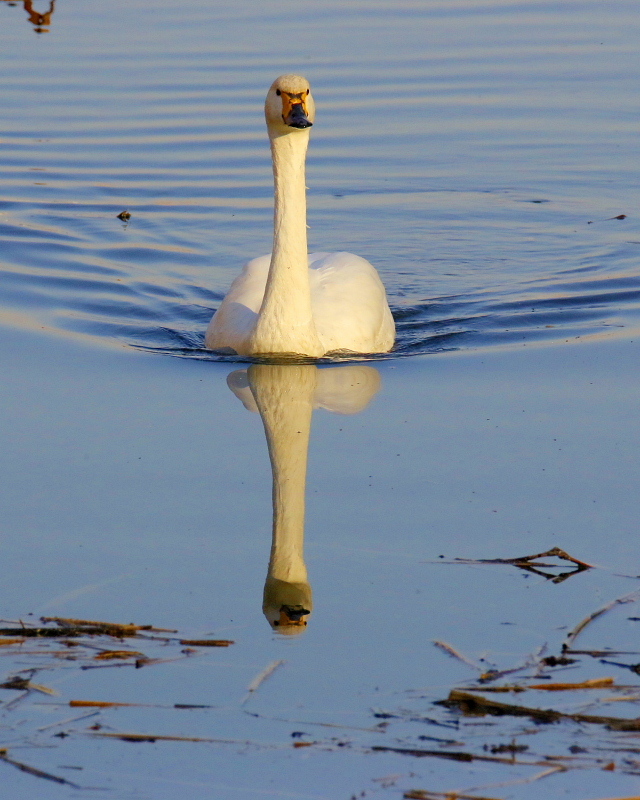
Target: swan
290,302
285,397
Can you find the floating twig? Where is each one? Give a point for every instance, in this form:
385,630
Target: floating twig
127,626
67,721
593,683
24,685
451,651
107,655
475,705
207,642
459,755
151,737
99,704
51,633
112,704
375,729
421,794
260,678
573,635
37,773
530,564
633,667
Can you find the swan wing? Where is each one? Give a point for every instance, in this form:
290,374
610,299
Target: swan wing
232,323
349,302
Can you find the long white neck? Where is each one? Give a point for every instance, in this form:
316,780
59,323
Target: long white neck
285,321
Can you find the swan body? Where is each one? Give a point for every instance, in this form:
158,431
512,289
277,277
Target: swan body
290,302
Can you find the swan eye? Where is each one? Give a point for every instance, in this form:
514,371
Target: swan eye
278,92
307,91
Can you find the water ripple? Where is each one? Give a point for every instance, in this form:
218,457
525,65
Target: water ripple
465,164
156,298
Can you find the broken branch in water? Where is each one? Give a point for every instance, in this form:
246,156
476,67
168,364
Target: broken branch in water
633,667
451,651
24,685
530,564
573,635
83,623
475,705
421,794
255,714
146,737
151,738
38,773
593,683
67,721
207,642
260,678
456,755
112,704
108,655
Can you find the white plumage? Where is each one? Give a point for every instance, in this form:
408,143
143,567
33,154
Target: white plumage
289,302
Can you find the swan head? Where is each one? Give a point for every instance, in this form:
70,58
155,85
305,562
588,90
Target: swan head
289,105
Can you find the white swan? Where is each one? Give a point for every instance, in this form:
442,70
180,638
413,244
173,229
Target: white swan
285,397
290,302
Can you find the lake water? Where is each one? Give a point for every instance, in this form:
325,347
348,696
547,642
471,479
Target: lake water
483,155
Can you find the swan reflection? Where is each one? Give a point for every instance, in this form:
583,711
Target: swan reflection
285,397
36,18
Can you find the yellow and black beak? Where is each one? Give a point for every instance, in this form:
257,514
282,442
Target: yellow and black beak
294,110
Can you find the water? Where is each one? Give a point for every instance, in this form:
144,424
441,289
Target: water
479,154
464,149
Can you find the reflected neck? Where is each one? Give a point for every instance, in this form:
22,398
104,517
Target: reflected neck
284,396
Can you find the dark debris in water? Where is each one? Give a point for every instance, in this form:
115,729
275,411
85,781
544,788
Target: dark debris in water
531,564
477,706
420,794
539,737
83,643
608,219
480,728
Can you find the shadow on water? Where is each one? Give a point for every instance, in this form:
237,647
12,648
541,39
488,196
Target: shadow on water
285,396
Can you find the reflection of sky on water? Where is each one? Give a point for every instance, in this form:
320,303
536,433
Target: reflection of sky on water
137,488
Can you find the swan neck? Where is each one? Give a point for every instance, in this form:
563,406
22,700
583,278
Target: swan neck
289,154
285,321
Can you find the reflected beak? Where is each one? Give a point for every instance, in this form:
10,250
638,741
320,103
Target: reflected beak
294,113
292,615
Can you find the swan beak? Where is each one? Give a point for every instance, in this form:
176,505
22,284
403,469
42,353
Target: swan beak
295,116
